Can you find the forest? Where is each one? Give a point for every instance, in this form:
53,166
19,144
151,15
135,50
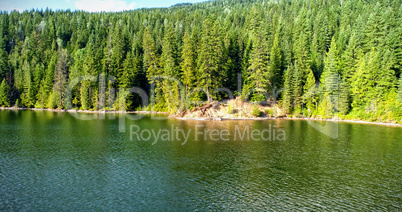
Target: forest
329,57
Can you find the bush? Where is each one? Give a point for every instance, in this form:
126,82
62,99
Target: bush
256,111
305,112
269,112
230,109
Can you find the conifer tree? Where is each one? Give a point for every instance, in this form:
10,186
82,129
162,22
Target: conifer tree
349,58
188,65
297,87
4,64
385,75
60,78
210,56
151,66
170,68
287,93
309,88
41,97
344,104
258,74
27,96
4,99
330,78
275,64
361,83
375,29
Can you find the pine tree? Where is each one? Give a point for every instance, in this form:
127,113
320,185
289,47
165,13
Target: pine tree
37,77
85,97
326,108
41,96
258,74
188,65
375,29
330,78
170,68
119,43
344,104
151,63
287,94
27,96
131,71
385,75
4,63
275,65
4,99
60,78
302,37
297,87
349,58
309,96
362,82
232,63
210,56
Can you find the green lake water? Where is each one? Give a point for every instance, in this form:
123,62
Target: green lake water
55,162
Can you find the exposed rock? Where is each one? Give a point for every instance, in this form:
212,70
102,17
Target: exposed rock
230,109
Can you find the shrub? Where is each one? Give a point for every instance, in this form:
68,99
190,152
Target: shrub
230,109
269,112
256,111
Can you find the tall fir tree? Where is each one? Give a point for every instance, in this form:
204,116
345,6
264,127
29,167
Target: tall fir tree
288,92
258,73
330,78
344,104
297,87
169,63
27,95
4,63
188,65
151,66
210,56
275,65
349,58
4,98
309,90
60,78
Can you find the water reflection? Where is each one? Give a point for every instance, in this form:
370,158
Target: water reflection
52,161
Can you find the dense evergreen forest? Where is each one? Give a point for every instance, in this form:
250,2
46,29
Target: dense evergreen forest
331,57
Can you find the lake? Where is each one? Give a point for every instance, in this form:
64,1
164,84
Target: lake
53,161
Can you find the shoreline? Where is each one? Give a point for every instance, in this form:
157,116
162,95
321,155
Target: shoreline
205,119
294,119
84,111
